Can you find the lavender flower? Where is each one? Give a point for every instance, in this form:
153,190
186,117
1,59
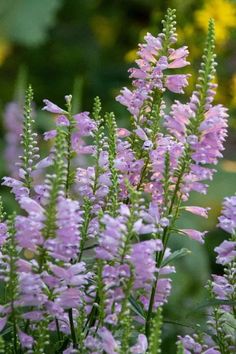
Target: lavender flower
227,221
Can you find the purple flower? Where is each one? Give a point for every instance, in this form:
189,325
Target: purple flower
108,343
142,258
3,233
211,351
17,187
133,100
32,208
3,322
212,135
176,83
141,346
51,107
227,221
65,245
226,252
178,120
26,341
69,298
190,345
110,239
85,124
149,74
178,58
166,144
51,134
29,232
33,316
71,276
221,287
31,290
63,121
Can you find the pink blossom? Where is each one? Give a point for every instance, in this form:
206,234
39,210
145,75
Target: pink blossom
176,83
123,133
198,211
194,234
51,107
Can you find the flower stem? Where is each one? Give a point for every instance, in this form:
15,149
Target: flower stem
72,329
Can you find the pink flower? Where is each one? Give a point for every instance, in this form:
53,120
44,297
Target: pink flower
194,234
178,58
176,83
198,211
122,132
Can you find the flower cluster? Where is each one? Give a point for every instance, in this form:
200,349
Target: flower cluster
223,288
87,259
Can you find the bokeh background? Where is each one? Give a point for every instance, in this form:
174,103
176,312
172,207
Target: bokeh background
85,47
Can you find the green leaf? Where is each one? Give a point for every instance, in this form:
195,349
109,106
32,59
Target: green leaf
136,307
214,302
175,255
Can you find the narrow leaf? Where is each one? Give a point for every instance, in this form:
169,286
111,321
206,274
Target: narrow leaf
136,307
175,255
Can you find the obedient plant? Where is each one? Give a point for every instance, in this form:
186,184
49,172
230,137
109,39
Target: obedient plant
86,264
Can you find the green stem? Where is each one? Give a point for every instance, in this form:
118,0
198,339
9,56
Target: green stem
58,330
72,329
67,186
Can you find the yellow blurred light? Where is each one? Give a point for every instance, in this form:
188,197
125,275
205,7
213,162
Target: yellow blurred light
5,49
131,56
28,254
228,166
224,14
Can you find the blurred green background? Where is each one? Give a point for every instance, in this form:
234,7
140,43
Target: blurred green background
86,47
